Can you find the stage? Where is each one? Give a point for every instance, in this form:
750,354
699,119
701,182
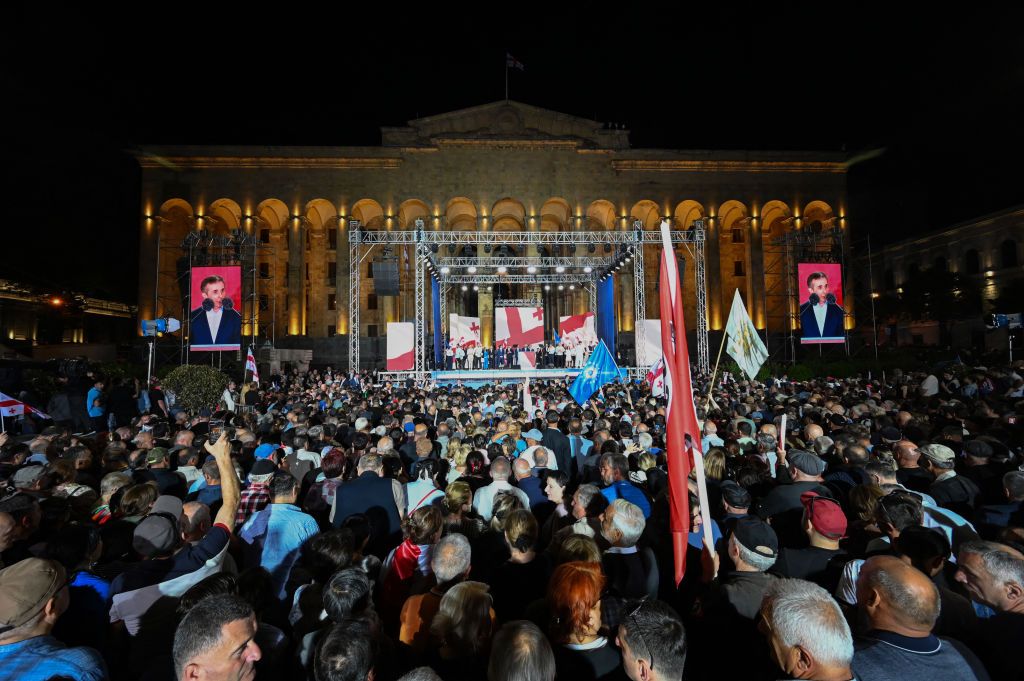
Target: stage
474,378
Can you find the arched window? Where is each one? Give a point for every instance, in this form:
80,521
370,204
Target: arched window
1008,252
972,264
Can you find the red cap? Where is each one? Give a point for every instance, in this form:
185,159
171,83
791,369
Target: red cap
825,514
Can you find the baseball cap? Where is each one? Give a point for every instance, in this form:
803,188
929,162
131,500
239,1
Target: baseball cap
18,502
159,531
735,495
825,514
806,462
533,434
265,451
756,535
938,453
25,587
156,455
409,427
26,476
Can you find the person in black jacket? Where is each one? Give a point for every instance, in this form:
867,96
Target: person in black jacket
373,495
557,442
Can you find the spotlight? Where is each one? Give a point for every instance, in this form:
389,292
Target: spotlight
547,287
471,269
531,270
561,287
560,269
572,287
465,288
628,258
475,287
502,269
588,269
445,269
490,288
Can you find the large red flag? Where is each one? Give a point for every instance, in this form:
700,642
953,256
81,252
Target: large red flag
683,433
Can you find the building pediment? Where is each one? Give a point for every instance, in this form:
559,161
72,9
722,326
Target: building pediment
505,123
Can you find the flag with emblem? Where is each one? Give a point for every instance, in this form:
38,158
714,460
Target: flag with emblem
744,345
599,370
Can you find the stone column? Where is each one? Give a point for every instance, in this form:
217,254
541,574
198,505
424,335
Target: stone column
296,275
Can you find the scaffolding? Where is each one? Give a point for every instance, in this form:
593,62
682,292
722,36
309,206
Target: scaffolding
585,271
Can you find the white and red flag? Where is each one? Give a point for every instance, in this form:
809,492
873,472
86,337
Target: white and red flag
12,407
250,365
463,331
518,326
656,377
578,328
683,432
401,346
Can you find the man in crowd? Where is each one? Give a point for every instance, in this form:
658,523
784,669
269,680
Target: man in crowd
483,500
217,640
900,605
276,534
808,635
33,595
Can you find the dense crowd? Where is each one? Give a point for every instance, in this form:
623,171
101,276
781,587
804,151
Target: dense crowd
328,527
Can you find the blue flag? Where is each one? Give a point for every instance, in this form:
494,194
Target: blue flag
599,370
558,340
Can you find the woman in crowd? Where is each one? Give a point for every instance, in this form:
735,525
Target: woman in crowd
582,651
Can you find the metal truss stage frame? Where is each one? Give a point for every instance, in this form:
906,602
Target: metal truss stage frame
587,271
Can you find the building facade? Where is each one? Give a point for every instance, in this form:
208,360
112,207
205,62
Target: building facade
504,166
986,253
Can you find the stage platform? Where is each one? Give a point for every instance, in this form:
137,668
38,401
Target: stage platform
475,378
471,377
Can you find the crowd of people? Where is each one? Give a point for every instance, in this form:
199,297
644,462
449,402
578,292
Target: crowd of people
333,528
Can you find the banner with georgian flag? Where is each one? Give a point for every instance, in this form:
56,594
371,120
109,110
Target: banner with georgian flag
683,433
463,332
744,345
250,365
576,329
518,326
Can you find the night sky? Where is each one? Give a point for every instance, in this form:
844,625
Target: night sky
931,100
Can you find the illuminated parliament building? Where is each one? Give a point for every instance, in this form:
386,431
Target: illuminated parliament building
285,213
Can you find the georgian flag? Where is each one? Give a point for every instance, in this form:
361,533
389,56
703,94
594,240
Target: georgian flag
518,325
656,378
463,332
12,407
250,365
578,328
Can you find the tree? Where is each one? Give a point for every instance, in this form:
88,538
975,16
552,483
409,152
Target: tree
197,386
